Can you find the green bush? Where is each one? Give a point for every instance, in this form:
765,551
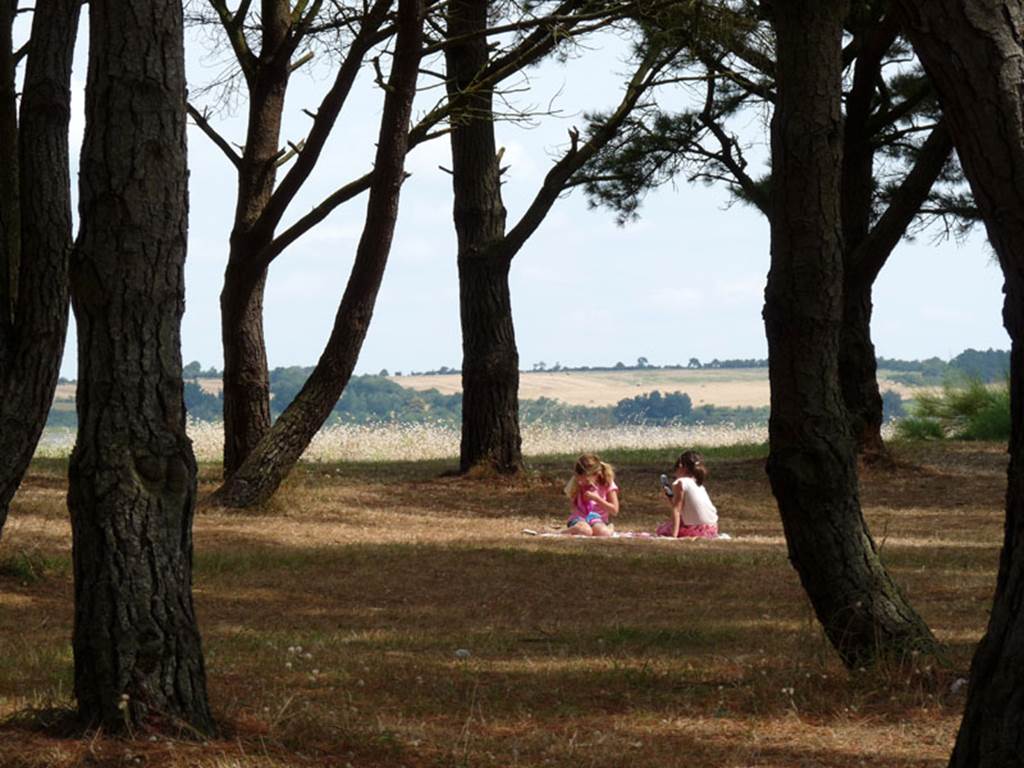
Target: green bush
968,410
918,428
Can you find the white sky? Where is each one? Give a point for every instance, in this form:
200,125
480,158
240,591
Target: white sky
686,281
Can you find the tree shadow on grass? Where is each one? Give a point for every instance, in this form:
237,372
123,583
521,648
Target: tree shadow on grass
629,636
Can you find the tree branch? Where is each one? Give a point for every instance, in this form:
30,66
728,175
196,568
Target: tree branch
325,118
216,138
233,27
871,255
735,165
527,51
558,177
266,256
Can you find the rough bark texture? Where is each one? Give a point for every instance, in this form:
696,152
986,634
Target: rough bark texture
273,458
973,52
812,457
138,658
30,358
490,359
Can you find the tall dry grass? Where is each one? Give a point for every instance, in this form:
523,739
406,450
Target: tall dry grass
417,442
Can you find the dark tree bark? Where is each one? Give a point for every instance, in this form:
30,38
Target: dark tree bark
273,458
138,657
973,52
246,390
10,217
490,411
857,366
259,205
490,359
866,249
255,239
246,378
812,457
34,342
869,125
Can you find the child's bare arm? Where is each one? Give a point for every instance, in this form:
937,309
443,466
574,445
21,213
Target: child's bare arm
609,505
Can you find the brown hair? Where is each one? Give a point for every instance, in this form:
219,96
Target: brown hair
586,465
693,463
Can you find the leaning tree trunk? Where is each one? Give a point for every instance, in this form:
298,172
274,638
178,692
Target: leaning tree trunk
812,458
30,361
973,52
138,657
276,454
490,360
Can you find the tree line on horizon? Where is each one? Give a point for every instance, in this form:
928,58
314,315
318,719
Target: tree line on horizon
987,365
373,398
851,109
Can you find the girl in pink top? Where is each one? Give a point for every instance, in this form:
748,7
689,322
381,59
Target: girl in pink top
593,497
693,514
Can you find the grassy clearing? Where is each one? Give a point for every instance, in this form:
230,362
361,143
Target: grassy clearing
331,622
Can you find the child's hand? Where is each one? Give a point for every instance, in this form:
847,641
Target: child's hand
592,496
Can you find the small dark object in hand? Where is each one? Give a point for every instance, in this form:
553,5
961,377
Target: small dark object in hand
667,486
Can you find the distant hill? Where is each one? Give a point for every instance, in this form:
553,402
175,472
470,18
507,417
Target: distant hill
726,390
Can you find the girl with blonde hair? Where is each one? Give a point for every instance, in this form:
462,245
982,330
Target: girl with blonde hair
593,497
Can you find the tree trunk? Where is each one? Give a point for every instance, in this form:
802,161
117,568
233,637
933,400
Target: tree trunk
29,370
273,458
973,53
812,457
490,360
246,377
863,259
10,216
858,369
138,656
857,366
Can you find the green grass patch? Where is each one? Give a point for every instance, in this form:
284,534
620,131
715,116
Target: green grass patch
29,566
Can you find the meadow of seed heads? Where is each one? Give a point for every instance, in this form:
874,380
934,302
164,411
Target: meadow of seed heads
412,442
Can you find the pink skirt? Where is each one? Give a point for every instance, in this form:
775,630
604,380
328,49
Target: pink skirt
689,531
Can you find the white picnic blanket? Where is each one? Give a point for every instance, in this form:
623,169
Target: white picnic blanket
622,535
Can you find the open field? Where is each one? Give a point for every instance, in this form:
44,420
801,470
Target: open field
413,442
331,622
732,387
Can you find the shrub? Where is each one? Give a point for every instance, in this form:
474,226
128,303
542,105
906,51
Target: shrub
966,411
919,428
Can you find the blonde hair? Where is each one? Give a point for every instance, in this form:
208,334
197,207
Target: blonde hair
586,465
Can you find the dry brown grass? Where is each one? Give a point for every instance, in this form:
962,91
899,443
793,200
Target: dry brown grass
582,653
733,387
